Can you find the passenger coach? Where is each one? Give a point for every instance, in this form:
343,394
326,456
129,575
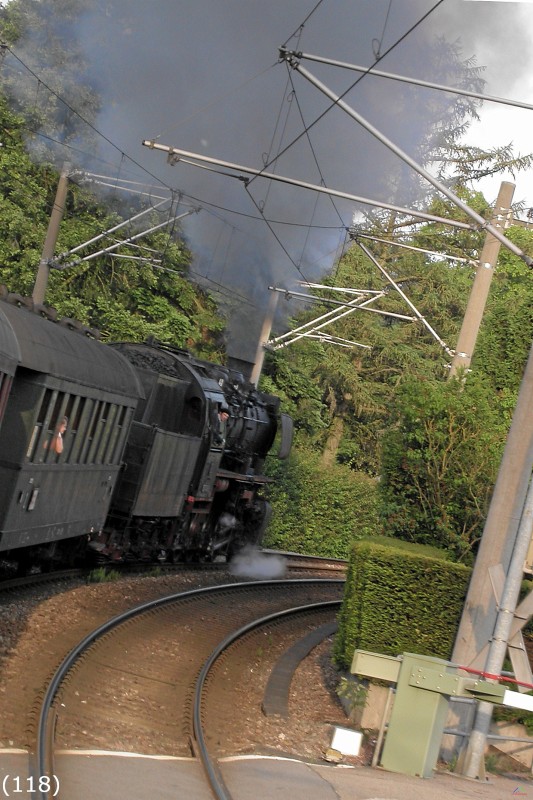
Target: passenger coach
62,435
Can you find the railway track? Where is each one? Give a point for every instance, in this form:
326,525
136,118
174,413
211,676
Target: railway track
217,695
180,652
244,565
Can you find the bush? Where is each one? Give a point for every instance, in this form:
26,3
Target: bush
440,458
320,512
399,598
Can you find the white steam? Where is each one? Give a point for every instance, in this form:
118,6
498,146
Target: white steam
251,563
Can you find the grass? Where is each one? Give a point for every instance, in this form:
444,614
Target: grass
103,575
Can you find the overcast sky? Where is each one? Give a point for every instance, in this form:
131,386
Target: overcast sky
203,75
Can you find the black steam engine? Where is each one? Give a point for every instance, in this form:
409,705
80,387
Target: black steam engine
131,450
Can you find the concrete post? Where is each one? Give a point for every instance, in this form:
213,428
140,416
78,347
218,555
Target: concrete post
41,280
263,338
480,289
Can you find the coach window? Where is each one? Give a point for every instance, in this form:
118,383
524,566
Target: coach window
91,428
111,454
36,448
48,439
38,427
81,422
101,434
54,443
122,427
72,412
106,447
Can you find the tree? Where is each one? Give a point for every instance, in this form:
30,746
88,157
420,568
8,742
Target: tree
390,411
47,103
440,457
125,299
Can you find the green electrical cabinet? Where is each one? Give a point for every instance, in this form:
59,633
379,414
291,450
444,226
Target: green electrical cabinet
423,687
418,717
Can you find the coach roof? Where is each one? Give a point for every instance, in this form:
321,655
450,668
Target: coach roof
53,349
9,349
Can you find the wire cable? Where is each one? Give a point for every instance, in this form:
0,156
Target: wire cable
83,119
312,148
359,79
299,29
274,234
379,42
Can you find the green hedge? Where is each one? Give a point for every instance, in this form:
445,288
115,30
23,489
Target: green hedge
400,598
318,511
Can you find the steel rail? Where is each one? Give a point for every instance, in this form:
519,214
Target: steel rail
41,578
212,770
42,760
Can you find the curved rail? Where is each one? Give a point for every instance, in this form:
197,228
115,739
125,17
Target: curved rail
212,770
40,578
308,561
294,561
44,749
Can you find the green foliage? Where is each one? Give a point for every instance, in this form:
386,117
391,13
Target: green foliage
354,693
103,575
440,458
399,599
389,411
54,53
357,385
505,336
293,377
125,299
318,512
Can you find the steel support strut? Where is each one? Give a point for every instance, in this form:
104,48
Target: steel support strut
293,61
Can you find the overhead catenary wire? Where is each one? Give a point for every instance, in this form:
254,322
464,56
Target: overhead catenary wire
345,289
439,185
82,118
133,161
109,141
274,234
418,82
379,42
308,127
301,26
354,84
263,216
313,149
206,205
328,302
325,320
118,182
107,232
420,215
143,259
223,290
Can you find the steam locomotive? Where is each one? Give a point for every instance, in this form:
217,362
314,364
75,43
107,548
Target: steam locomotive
125,450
